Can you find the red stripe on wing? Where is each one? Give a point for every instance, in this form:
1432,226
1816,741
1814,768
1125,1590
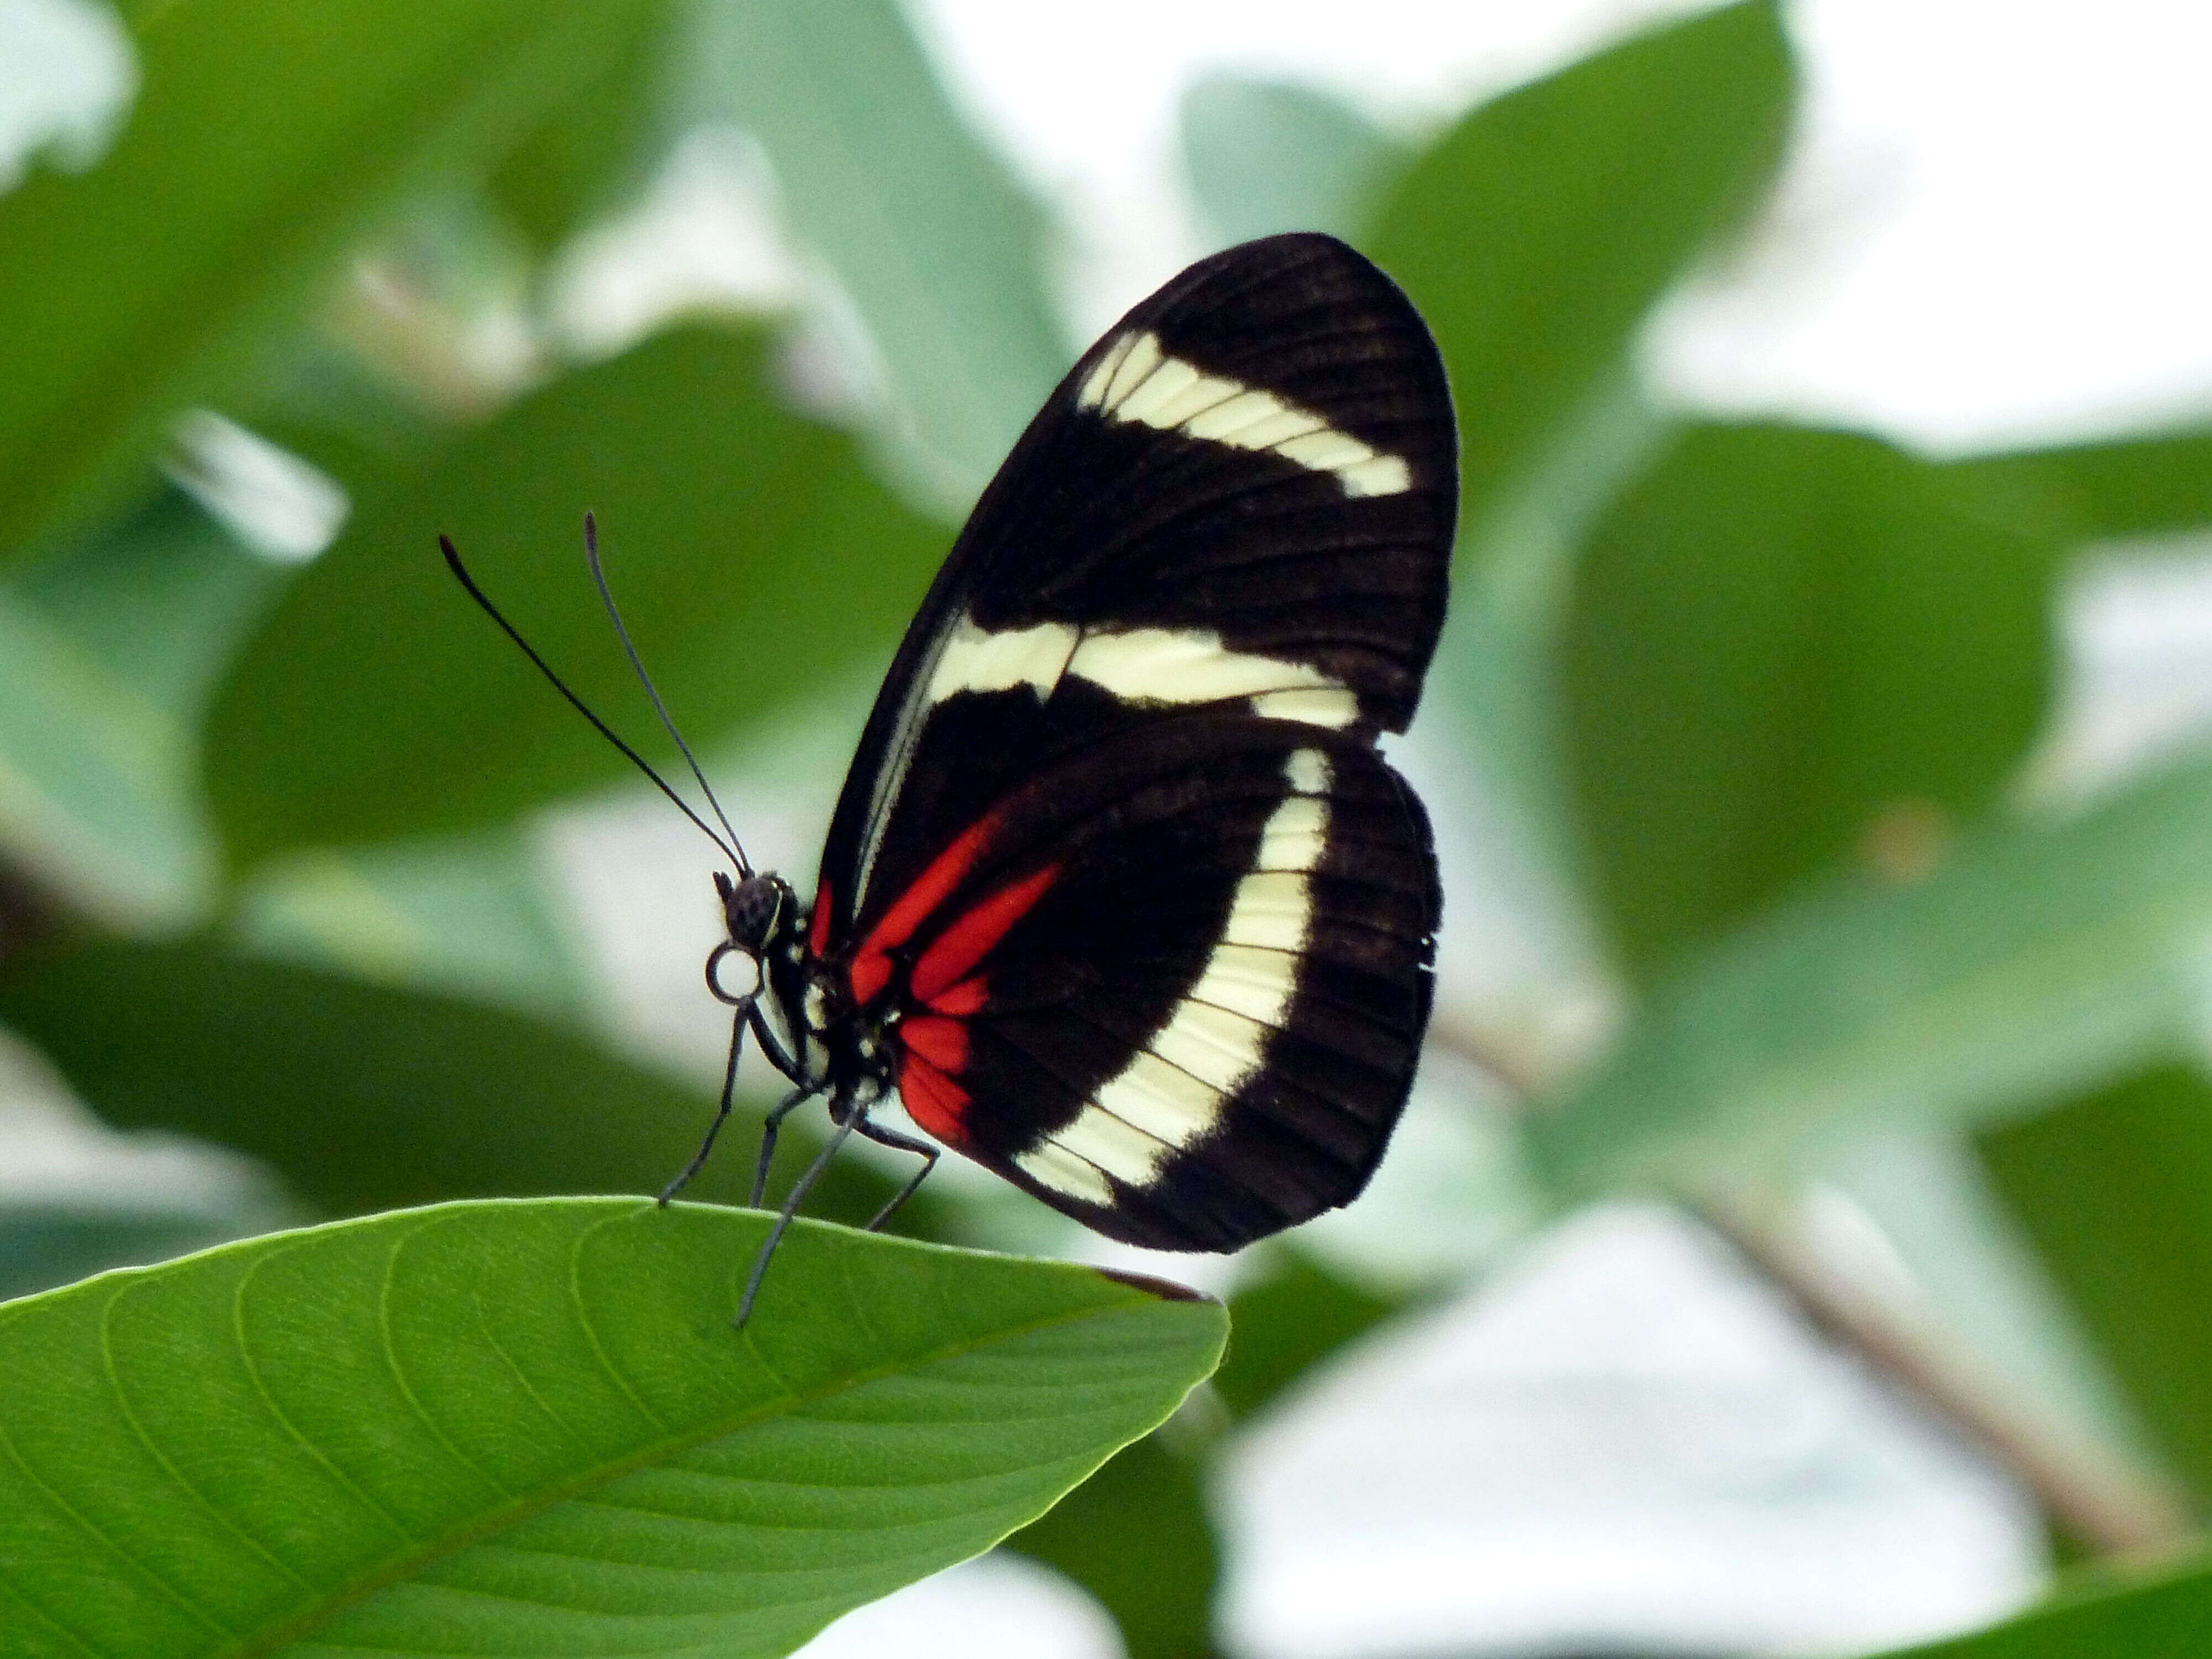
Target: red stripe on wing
968,940
872,965
942,1043
818,932
933,1099
964,998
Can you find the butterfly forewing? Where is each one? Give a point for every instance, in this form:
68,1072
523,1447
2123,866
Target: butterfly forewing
1143,918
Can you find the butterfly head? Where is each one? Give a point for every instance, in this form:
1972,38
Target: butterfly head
755,908
760,914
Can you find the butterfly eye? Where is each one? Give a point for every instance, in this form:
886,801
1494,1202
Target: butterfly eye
750,909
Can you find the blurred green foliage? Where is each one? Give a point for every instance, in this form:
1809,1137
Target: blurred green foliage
1759,701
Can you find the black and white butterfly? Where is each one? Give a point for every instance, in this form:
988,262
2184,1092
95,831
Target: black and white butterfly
1120,898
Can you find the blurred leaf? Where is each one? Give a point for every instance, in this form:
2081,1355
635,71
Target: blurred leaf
1496,668
1536,237
2043,956
1782,644
352,419
467,915
261,143
532,1428
1137,1538
599,145
939,249
162,599
1296,1316
113,641
750,554
1538,233
97,802
2115,1188
2165,1617
365,1097
1264,156
2144,486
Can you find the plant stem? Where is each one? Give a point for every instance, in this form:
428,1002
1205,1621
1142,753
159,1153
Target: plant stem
2097,1493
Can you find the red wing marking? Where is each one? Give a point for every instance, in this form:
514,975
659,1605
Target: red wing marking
942,1043
871,966
968,940
817,931
964,998
933,1099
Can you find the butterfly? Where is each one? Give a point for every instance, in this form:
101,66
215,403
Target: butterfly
1120,898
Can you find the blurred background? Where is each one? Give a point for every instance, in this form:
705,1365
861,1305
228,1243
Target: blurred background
1801,1237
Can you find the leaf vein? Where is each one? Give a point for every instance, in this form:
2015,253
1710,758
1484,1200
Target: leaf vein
400,1377
129,1416
283,1420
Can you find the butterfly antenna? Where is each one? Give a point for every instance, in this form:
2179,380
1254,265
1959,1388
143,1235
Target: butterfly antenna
461,574
668,724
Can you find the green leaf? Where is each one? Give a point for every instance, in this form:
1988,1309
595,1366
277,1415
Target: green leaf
378,702
2111,1617
364,1096
260,145
1137,1537
532,1428
1287,1322
1537,233
2042,958
1782,644
2136,486
2115,1191
1264,156
938,249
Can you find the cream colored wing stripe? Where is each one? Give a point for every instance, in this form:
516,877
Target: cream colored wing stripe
1135,380
1158,666
1171,1094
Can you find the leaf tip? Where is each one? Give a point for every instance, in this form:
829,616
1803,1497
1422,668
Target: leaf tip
1165,1289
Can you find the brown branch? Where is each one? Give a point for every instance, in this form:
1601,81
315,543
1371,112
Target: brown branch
2097,1492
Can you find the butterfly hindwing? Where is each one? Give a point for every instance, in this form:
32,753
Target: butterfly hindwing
1143,916
1178,986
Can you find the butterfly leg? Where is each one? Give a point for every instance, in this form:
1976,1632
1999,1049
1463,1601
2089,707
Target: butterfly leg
721,1111
769,1126
904,1143
792,1200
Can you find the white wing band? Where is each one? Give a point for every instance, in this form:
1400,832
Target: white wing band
1135,380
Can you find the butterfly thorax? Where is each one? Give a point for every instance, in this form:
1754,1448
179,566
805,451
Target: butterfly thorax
813,1032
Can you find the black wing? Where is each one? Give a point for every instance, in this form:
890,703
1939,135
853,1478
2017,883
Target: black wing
1178,985
1211,572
